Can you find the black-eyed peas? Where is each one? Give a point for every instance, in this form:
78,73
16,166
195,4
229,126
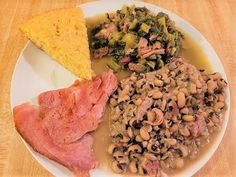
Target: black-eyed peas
164,116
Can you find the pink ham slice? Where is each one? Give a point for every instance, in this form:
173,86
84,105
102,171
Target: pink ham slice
77,156
70,113
58,127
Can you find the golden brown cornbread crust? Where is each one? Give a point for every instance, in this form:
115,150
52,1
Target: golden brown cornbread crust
62,34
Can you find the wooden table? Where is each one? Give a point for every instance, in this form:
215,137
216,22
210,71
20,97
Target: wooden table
215,19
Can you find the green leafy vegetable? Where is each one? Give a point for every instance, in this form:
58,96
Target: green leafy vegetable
113,65
138,36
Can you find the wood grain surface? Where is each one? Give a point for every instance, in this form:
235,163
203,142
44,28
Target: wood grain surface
215,19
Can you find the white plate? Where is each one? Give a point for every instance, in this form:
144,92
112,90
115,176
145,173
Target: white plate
35,72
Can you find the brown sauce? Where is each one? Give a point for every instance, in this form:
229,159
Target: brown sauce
101,142
100,65
194,55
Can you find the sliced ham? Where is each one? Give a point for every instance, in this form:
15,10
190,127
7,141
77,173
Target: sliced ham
58,127
106,31
156,51
125,60
78,156
174,108
136,67
71,112
152,168
146,51
99,53
143,43
199,127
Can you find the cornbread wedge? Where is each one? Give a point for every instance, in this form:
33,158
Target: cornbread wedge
62,34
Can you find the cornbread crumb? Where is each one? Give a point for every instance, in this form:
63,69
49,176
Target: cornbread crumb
62,34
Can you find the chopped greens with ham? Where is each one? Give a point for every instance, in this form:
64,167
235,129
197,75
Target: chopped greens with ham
137,39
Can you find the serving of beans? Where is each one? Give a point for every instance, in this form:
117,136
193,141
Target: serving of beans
161,119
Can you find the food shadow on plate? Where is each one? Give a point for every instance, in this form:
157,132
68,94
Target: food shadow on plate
48,70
